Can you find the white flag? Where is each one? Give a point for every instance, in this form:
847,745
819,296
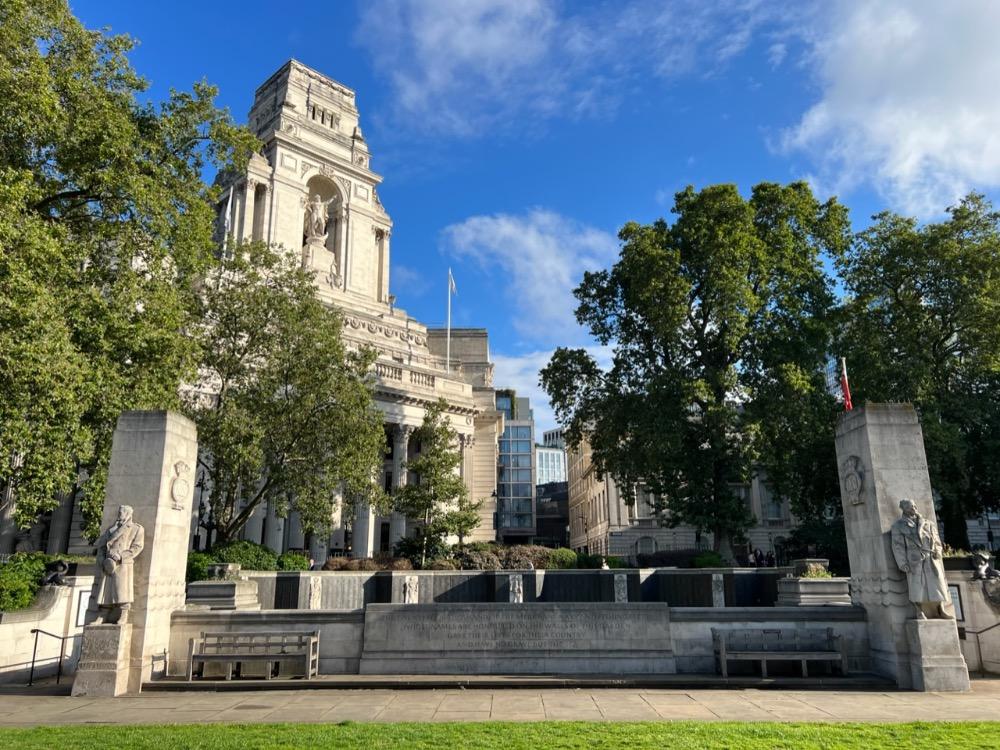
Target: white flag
451,283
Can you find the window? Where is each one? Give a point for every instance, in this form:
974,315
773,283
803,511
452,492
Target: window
521,446
522,432
646,545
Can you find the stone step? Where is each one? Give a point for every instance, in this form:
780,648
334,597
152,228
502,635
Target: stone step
426,682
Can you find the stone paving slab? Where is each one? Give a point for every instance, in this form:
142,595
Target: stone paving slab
600,704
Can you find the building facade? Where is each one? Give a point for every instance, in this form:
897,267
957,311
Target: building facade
601,520
550,464
516,476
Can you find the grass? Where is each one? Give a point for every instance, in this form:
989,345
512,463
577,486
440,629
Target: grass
510,736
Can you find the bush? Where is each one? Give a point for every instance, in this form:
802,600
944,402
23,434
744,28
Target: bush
516,557
441,563
412,548
397,563
614,561
292,561
249,555
708,559
197,566
562,559
475,559
336,563
586,561
20,579
366,563
816,571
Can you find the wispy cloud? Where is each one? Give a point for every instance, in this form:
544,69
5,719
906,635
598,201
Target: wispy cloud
465,67
541,256
908,100
408,282
521,372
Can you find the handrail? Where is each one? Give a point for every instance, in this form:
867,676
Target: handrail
979,645
62,652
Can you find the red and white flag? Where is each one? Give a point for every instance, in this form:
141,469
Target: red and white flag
845,386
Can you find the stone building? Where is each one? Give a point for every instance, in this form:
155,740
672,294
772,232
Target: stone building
602,522
312,191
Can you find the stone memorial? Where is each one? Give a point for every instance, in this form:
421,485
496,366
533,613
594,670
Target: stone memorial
880,450
151,458
532,638
516,584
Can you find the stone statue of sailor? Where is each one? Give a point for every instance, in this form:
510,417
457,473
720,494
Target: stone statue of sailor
117,548
917,549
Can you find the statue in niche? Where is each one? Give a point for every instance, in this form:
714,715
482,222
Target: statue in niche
411,590
317,216
516,588
117,548
917,550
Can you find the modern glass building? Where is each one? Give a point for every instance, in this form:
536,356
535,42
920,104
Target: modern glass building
551,464
515,469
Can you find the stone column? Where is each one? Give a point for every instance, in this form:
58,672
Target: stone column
881,460
363,532
249,195
400,452
153,456
274,530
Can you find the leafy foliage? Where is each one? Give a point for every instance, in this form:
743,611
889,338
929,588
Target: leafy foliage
708,560
197,566
439,497
710,318
421,546
922,315
292,561
104,224
250,555
20,579
285,412
562,559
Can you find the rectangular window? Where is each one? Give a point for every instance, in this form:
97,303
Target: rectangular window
505,446
521,446
522,432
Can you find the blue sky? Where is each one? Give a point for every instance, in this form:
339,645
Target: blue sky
516,136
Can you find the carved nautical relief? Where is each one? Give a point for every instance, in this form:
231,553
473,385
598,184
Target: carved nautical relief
853,480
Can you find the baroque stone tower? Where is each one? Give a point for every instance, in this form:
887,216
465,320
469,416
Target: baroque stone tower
311,191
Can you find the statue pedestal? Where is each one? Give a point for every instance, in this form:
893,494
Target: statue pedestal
936,662
103,671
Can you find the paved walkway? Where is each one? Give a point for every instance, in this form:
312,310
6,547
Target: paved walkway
982,703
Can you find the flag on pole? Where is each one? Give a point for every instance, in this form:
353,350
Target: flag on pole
845,386
452,289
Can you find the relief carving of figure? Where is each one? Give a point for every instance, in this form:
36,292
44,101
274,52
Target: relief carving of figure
117,548
917,550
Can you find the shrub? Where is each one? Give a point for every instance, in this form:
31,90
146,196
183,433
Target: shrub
197,566
475,559
668,558
585,561
441,563
614,561
366,563
336,563
412,548
292,561
562,559
20,579
249,555
708,559
816,571
398,563
516,557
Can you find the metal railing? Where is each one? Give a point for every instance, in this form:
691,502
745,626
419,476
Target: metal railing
62,652
979,645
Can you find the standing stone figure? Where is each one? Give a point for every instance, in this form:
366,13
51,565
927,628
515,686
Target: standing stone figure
117,548
316,217
917,549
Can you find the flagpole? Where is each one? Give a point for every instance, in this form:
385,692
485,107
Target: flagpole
447,356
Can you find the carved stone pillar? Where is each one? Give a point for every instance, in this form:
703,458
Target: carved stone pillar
400,447
249,193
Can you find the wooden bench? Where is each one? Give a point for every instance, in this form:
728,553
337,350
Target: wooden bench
267,647
803,645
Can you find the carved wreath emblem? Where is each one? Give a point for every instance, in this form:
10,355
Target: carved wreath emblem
853,477
180,487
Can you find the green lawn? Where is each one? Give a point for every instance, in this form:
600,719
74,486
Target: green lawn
509,736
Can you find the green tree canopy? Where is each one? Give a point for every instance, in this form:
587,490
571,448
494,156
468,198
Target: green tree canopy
439,498
923,325
712,319
285,411
104,225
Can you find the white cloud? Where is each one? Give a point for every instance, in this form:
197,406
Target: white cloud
542,256
908,100
521,374
467,66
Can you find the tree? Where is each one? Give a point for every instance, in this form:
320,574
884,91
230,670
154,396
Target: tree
707,317
285,411
439,497
921,325
104,224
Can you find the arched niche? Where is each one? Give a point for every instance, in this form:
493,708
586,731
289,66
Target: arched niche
322,225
